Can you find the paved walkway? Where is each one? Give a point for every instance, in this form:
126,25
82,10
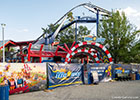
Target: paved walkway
126,90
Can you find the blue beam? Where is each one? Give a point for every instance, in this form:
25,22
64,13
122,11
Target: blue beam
97,22
76,32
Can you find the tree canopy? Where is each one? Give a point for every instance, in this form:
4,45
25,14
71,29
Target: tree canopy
68,34
120,36
135,53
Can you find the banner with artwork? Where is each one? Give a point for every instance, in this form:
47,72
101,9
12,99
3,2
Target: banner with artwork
23,77
123,72
104,72
64,74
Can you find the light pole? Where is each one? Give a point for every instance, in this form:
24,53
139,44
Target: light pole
3,25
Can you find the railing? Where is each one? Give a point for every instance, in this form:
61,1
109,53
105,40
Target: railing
49,48
45,48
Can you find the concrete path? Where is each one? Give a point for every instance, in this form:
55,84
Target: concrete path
126,90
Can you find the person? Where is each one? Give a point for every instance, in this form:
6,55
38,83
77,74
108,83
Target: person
12,84
36,77
19,82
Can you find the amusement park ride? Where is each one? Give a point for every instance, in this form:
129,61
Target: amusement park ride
92,51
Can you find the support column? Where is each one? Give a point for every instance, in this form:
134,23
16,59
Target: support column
8,48
29,48
40,53
22,57
97,22
82,60
87,59
20,50
76,32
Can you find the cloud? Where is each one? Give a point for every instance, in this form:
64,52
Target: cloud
129,11
25,30
133,15
22,30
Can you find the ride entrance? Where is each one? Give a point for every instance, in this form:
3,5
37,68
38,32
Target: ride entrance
95,50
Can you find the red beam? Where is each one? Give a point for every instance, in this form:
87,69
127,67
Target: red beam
62,48
66,47
40,52
73,44
56,50
29,48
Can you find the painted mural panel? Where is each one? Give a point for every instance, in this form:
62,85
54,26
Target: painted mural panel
23,77
64,74
104,71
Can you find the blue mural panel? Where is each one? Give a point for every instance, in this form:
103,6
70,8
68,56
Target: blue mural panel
64,74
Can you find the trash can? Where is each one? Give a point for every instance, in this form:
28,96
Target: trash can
137,76
133,76
90,78
86,77
4,92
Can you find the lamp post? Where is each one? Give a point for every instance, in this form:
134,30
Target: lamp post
3,25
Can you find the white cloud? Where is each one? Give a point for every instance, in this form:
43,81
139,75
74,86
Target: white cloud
129,11
133,15
22,30
25,30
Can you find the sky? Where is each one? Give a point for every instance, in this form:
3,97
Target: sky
25,18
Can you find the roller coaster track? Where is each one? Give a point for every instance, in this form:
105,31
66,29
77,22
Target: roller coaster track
88,6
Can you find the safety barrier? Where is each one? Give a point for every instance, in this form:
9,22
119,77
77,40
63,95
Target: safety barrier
23,77
27,77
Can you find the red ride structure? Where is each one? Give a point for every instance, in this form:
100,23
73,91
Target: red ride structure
83,50
93,52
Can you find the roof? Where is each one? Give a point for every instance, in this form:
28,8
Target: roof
7,43
23,43
1,42
10,43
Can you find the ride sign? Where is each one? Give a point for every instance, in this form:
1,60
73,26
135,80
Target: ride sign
90,38
64,74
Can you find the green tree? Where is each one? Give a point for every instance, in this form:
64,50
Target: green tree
7,53
120,36
68,34
82,30
135,53
70,16
0,55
